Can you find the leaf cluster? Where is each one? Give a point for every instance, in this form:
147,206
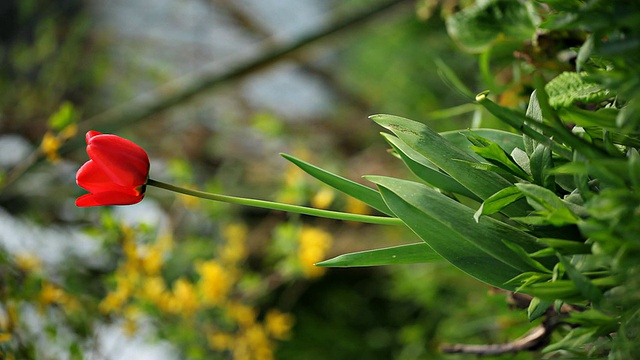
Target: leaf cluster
553,212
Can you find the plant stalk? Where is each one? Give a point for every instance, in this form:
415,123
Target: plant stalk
336,215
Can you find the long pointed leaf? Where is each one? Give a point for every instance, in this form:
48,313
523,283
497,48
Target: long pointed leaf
508,141
403,254
365,194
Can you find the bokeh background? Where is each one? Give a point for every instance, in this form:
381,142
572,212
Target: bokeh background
214,90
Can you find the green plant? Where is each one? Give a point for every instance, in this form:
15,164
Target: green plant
552,214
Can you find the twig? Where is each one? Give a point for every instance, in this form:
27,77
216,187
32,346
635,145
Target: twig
534,339
171,95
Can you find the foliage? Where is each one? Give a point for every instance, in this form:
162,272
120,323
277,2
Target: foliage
567,194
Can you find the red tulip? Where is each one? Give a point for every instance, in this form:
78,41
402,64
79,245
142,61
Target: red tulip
116,174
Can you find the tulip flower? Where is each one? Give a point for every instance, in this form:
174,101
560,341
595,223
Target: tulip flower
116,174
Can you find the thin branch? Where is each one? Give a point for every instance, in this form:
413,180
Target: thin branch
534,339
166,97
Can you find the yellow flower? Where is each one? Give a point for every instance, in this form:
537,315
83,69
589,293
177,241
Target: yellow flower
278,324
220,341
243,315
185,299
68,132
323,198
259,343
234,249
131,316
190,202
50,294
153,289
152,261
114,301
28,262
50,146
4,337
356,206
313,245
214,283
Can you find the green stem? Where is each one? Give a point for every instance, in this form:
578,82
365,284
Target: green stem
278,206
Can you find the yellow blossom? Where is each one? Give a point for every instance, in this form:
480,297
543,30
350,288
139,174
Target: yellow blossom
152,261
4,337
259,343
214,283
313,245
356,206
278,324
184,299
50,294
9,320
220,341
68,132
234,249
243,315
28,262
323,198
153,289
50,146
114,301
190,202
131,317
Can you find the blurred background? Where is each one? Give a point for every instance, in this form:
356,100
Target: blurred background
214,90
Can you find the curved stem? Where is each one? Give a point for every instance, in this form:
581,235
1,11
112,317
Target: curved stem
279,206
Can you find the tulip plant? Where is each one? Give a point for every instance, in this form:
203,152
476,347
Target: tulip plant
550,214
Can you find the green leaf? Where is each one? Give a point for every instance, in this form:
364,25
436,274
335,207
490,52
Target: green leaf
426,170
541,163
365,194
537,308
449,228
605,118
569,87
534,113
575,339
451,78
403,254
565,289
507,140
526,257
66,115
478,26
550,291
495,155
547,203
498,201
583,284
447,157
492,168
522,159
564,246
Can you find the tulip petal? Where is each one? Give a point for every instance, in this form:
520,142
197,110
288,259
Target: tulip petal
124,162
94,179
108,198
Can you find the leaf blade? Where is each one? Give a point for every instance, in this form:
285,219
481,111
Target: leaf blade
402,254
365,194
